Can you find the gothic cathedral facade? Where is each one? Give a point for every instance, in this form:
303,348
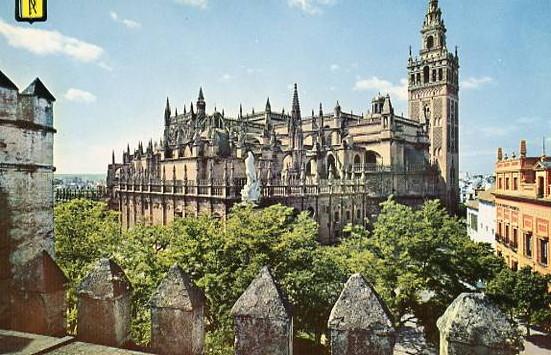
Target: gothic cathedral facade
336,165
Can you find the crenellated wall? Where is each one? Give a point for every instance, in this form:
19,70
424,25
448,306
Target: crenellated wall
26,195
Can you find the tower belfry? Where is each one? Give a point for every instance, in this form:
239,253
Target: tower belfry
434,100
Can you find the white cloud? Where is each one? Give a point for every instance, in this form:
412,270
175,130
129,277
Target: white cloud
399,91
202,4
77,95
334,67
475,83
131,24
105,66
45,42
226,77
311,7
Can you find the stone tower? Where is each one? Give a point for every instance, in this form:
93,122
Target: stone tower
26,180
434,100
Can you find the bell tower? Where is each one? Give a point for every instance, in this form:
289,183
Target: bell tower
434,100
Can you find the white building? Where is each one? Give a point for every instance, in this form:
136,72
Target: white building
481,217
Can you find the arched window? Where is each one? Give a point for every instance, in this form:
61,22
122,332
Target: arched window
440,74
371,157
430,42
426,74
434,75
331,166
357,160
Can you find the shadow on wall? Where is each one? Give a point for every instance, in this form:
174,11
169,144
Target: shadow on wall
5,251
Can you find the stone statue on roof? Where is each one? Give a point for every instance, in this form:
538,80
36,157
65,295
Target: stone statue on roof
251,191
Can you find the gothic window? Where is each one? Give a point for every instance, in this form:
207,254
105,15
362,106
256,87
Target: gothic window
426,74
430,42
440,74
418,81
434,75
371,158
357,160
412,79
331,165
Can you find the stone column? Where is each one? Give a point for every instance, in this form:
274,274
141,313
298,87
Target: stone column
472,324
177,316
360,322
263,321
104,305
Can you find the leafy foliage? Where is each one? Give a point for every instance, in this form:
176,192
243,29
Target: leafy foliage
418,260
84,232
524,294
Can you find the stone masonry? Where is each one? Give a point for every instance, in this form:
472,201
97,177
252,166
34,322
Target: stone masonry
472,324
177,315
26,194
263,321
360,322
104,305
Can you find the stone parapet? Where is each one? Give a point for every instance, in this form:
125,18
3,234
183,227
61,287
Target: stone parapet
177,315
472,324
263,320
360,322
104,305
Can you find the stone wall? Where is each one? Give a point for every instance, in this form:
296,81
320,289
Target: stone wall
26,195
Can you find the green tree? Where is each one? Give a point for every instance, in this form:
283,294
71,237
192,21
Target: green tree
223,258
85,231
524,294
418,260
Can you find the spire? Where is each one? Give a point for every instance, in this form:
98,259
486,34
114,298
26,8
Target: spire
185,110
295,111
191,108
201,105
268,105
338,108
201,97
434,30
38,89
240,110
5,82
113,158
321,110
167,112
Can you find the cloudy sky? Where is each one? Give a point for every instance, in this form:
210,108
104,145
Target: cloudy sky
111,64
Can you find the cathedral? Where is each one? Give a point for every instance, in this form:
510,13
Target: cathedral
336,165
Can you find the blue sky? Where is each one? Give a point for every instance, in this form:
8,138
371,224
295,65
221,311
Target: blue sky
111,65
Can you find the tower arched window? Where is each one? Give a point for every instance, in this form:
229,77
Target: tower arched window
426,74
430,42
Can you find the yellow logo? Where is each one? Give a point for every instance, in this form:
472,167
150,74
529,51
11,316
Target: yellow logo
31,10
